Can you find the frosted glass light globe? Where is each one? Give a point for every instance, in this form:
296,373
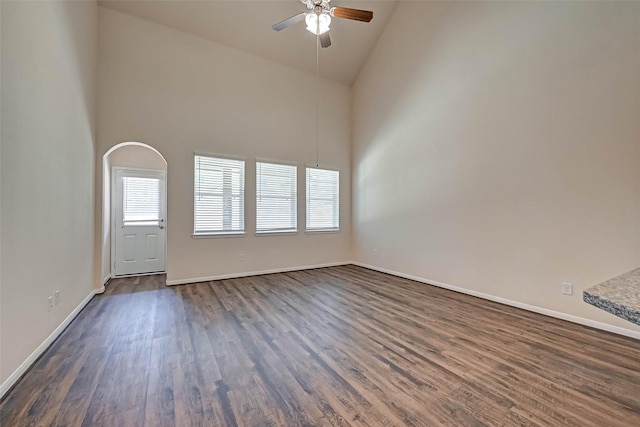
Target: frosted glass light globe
312,20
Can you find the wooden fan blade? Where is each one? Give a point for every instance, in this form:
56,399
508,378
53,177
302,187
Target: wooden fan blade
288,22
325,39
355,14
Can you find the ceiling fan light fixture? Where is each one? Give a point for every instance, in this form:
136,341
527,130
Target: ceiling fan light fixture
317,23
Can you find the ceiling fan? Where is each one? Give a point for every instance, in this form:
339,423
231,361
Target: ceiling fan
318,18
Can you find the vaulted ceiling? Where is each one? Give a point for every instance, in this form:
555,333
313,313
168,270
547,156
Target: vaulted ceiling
246,26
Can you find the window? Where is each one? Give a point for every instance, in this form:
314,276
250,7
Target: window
219,196
141,200
276,207
323,199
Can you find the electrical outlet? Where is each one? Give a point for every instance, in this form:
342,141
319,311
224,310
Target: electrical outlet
56,297
375,253
567,288
50,306
242,257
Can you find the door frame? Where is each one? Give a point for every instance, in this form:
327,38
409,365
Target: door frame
114,192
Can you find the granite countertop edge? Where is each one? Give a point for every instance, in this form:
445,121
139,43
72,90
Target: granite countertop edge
614,308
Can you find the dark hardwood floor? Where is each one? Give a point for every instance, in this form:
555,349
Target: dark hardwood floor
336,346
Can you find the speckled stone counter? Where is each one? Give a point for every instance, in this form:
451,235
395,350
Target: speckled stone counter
619,296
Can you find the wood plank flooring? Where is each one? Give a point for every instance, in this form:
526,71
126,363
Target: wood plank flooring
328,347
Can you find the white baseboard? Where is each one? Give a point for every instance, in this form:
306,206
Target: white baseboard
252,273
17,374
551,313
105,279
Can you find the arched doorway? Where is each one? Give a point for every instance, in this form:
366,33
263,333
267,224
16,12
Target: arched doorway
133,210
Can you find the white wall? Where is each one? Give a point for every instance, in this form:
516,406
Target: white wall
0,194
48,81
497,148
180,94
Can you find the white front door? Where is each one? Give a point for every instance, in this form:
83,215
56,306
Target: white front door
139,221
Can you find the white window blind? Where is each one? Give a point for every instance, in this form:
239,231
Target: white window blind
219,195
323,199
141,200
276,203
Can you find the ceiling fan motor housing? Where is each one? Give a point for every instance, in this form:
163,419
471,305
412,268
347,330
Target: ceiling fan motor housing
311,4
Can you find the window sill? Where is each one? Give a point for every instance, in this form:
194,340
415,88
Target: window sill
218,235
323,231
276,233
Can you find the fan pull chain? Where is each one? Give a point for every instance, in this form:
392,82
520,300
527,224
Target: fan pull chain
317,96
